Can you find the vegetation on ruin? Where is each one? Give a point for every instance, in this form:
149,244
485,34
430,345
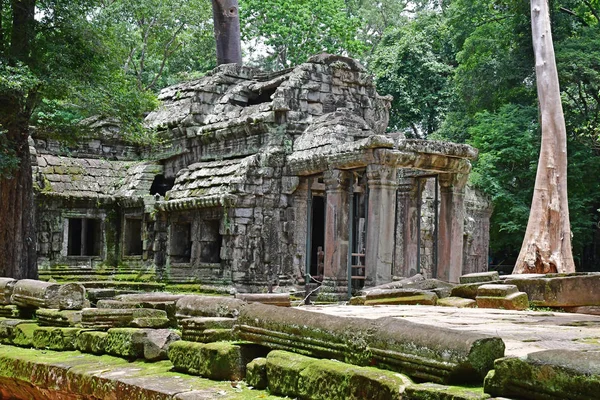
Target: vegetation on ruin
460,70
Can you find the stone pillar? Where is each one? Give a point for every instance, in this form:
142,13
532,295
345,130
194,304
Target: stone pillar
337,213
405,260
380,223
451,228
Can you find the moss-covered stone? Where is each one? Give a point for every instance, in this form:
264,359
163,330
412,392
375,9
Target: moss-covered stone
219,360
23,334
433,391
54,338
256,373
125,342
91,342
283,372
549,374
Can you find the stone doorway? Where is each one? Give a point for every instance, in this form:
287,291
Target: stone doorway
317,237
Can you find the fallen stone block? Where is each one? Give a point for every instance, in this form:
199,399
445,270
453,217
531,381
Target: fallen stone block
283,372
30,293
434,391
357,300
7,329
208,306
23,334
458,302
436,354
10,311
125,285
207,329
94,295
501,296
256,373
400,296
64,318
547,375
168,307
275,299
219,361
91,342
590,310
6,290
469,290
555,290
156,345
478,277
105,318
54,338
397,284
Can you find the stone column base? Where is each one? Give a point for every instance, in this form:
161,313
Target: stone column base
333,289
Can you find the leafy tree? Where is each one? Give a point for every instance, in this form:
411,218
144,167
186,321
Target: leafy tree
290,31
410,64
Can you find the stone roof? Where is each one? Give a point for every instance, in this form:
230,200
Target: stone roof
93,178
207,184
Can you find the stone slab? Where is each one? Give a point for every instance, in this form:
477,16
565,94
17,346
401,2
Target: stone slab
105,318
479,277
31,293
496,290
514,301
468,290
555,290
547,375
276,299
219,361
400,296
208,306
456,302
64,318
434,391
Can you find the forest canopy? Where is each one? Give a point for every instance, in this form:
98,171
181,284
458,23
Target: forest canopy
459,70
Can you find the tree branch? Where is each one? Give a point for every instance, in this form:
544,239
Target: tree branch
166,54
592,10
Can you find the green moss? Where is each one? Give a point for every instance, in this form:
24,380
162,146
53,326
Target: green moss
55,338
256,373
219,360
432,391
91,342
283,372
23,334
125,342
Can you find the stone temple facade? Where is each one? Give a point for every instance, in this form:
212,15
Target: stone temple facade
264,179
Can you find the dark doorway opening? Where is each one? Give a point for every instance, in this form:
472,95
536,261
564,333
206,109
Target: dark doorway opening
84,237
181,243
133,237
317,250
161,185
210,242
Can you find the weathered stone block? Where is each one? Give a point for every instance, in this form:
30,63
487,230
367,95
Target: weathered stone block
53,338
126,342
283,372
207,329
23,334
477,277
555,290
468,290
104,318
154,301
91,342
330,380
400,296
10,311
457,302
208,306
49,317
219,361
501,296
275,299
547,375
7,329
6,289
157,342
434,391
39,294
256,373
357,301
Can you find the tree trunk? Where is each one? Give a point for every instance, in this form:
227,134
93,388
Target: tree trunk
227,31
547,244
17,222
17,236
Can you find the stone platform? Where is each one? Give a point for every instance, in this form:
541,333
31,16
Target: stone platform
523,332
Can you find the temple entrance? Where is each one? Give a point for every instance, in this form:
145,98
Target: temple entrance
317,237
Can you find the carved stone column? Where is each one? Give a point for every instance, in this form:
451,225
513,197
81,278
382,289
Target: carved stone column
407,235
380,223
337,213
452,219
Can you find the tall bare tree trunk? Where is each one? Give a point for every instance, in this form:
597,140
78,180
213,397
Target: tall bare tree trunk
547,244
17,221
227,31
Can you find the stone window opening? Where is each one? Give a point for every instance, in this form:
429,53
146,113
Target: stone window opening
84,237
161,185
132,238
181,243
210,242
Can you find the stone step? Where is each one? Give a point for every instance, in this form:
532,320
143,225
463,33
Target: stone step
479,277
501,296
400,296
495,290
104,318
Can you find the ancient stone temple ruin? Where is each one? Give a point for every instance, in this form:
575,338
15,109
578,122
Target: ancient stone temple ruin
263,179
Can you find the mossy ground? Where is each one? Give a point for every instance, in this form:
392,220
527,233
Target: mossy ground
104,376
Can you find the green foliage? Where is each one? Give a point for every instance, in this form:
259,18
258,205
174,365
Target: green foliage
411,65
290,31
508,141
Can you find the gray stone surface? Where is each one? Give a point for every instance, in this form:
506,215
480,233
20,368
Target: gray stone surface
38,294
